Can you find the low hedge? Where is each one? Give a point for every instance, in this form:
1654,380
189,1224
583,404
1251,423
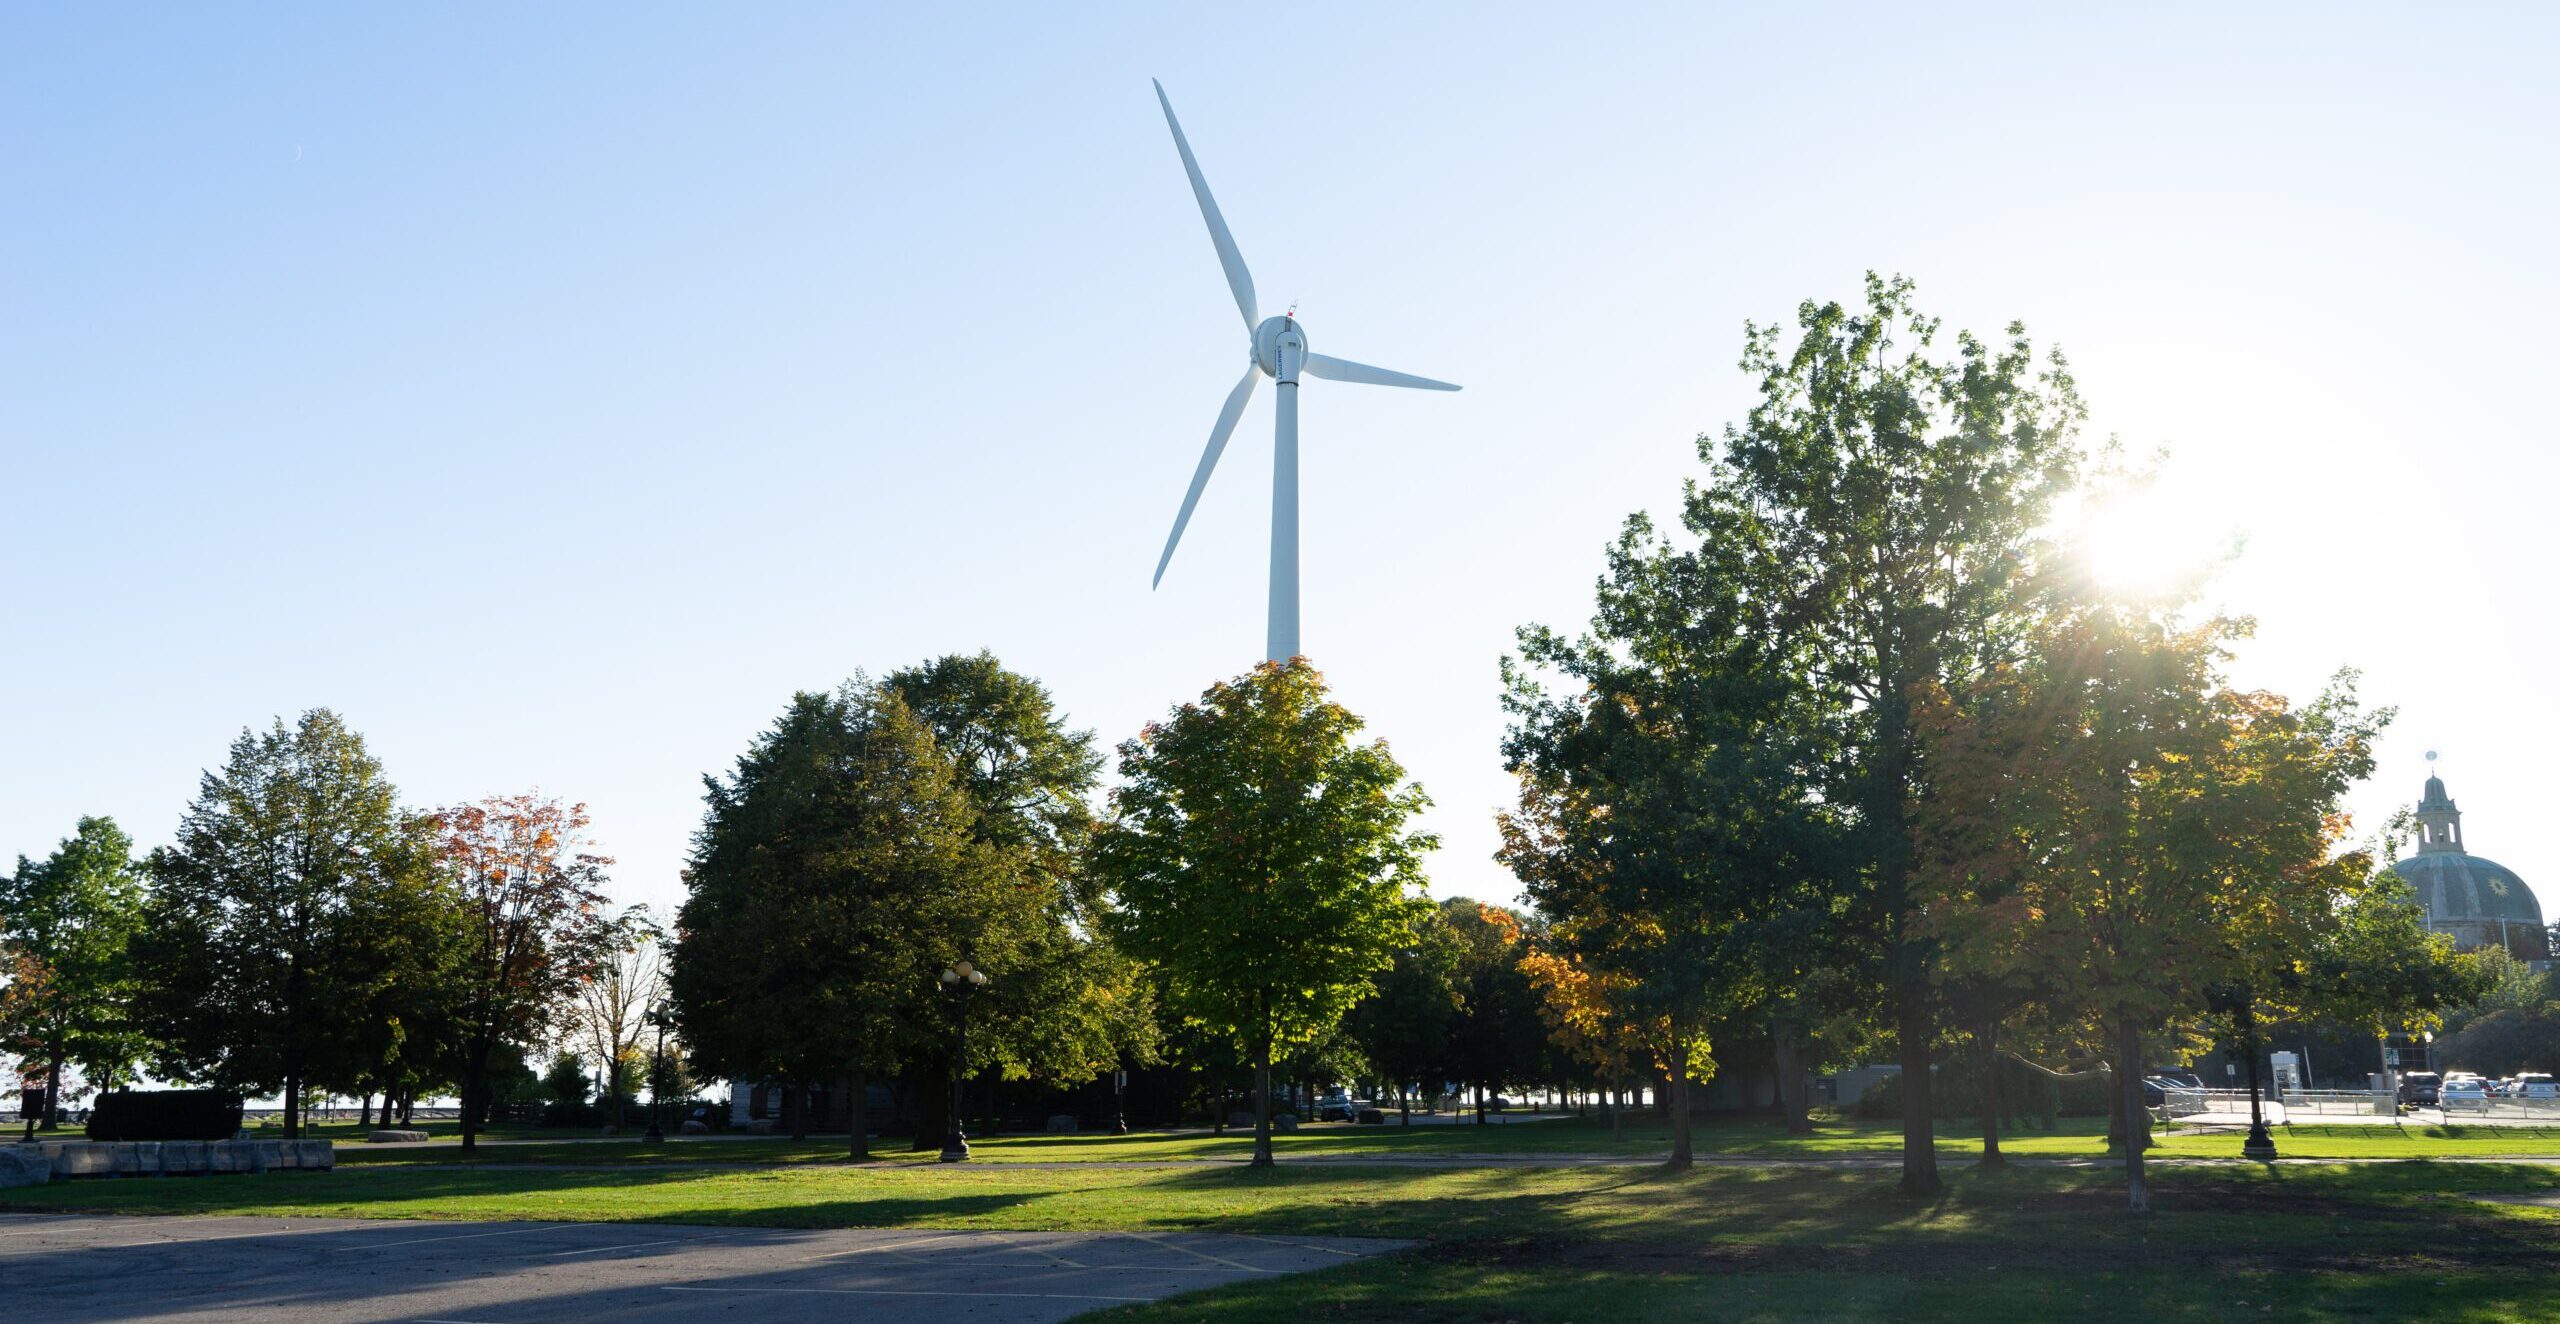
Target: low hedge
2027,1096
165,1115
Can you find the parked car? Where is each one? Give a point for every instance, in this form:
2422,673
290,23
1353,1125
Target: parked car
2536,1085
2179,1076
2463,1095
2419,1088
1336,1107
2156,1088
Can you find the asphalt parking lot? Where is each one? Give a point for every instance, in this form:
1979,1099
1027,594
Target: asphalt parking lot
75,1269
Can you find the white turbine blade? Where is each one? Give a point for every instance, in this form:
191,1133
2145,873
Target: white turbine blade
1344,370
1209,462
1238,279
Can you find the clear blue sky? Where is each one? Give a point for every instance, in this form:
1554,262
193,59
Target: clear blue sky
553,389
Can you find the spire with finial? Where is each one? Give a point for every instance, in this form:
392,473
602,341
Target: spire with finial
2439,823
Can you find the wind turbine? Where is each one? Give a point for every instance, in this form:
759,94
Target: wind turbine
1278,351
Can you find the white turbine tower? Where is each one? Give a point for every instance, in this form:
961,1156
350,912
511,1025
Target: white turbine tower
1279,351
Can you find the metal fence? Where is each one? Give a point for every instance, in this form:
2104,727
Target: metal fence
2176,1104
2505,1108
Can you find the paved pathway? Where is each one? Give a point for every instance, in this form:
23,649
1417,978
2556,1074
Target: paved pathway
88,1270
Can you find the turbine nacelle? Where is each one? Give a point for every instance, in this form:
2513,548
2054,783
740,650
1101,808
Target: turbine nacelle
1280,338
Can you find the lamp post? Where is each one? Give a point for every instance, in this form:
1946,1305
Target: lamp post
657,1077
960,981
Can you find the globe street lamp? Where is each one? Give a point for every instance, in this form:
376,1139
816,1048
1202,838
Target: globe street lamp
657,1077
960,981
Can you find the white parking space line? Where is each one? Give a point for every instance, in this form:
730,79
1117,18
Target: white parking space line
882,1291
1048,1255
1213,1259
459,1236
628,1245
891,1249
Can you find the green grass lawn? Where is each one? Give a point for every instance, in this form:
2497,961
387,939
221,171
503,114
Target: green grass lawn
1592,1244
2072,1138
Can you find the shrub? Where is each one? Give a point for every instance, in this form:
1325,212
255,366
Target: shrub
165,1115
2026,1095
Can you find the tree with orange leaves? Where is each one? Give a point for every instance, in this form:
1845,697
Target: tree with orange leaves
1595,1019
532,887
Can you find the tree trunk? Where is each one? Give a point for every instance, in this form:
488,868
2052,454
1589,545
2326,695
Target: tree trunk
475,1091
2129,1092
1262,1103
1479,1105
53,1090
1793,1107
1615,1101
1988,1037
855,1107
1919,1130
1404,1105
293,1104
1681,1155
364,1109
795,1109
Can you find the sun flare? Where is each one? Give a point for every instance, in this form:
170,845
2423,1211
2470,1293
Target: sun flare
2146,543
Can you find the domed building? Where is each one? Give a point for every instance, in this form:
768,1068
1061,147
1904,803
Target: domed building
2477,901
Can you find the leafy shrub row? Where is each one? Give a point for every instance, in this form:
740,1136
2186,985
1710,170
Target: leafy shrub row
2027,1096
165,1115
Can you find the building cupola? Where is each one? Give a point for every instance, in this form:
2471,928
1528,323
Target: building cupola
2439,823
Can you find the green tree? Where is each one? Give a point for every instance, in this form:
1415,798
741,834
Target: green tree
74,916
1407,1022
404,981
1262,862
1885,495
564,1081
836,873
1670,827
2377,966
246,955
1070,1006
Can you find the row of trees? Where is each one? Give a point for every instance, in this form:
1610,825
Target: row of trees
1252,902
304,932
1870,736
1861,757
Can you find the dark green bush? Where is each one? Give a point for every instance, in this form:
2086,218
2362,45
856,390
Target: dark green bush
165,1115
2027,1096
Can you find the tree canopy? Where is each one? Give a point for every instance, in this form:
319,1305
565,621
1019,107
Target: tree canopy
1262,862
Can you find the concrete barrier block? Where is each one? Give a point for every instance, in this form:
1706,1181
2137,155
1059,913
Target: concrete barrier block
83,1160
185,1158
394,1137
25,1165
315,1155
